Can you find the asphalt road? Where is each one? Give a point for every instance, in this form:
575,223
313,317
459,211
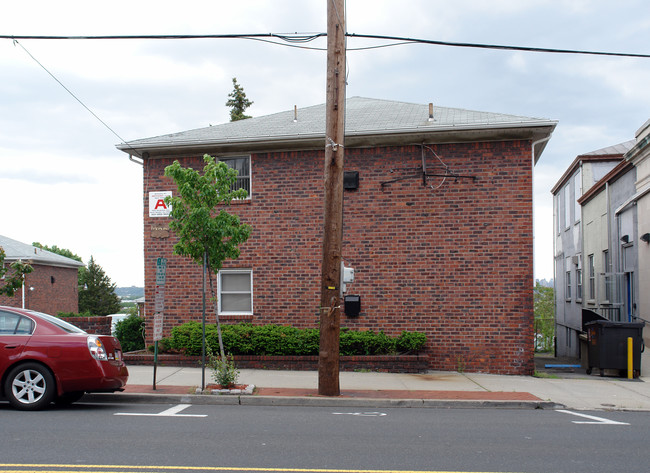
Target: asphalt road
107,437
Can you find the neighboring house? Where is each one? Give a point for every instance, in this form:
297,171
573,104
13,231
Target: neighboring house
585,232
438,225
53,285
608,246
639,156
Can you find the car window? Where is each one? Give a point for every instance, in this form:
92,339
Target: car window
62,324
15,324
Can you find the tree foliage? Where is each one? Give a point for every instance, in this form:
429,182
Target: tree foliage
238,102
544,307
97,292
59,251
202,229
12,277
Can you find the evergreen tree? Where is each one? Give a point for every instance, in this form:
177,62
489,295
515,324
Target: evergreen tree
97,292
238,102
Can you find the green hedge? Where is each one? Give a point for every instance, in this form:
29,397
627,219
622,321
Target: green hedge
248,339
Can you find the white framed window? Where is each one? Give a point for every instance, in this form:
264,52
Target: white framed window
567,291
577,189
235,291
241,164
567,206
592,277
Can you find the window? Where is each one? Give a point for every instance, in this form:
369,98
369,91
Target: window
567,293
592,278
577,189
241,164
567,206
14,324
608,277
235,289
579,284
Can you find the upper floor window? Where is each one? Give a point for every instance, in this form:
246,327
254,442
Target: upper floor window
242,164
577,189
592,278
567,206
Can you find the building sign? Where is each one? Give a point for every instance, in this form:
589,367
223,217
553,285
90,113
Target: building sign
157,205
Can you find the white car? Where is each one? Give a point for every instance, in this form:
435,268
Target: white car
115,318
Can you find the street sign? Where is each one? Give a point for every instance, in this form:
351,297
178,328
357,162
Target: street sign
158,320
161,271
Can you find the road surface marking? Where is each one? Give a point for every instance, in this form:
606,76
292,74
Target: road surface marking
594,419
171,412
15,468
360,414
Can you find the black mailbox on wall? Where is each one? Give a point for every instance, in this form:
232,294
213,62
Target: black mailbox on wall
351,180
352,305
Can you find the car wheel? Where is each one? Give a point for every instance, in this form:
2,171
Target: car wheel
30,387
68,398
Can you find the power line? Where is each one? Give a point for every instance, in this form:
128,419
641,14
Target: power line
73,95
498,46
305,38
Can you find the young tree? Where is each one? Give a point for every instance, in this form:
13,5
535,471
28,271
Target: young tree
206,234
9,284
97,292
238,102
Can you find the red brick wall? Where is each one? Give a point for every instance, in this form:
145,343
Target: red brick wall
454,262
54,290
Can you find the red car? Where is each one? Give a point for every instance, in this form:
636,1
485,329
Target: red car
44,359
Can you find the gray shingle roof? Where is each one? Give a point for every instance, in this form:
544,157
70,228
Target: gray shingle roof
619,149
364,117
15,250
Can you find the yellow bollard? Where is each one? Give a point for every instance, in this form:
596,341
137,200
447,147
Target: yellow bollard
630,353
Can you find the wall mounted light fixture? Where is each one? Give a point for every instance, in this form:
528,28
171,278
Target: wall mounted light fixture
645,237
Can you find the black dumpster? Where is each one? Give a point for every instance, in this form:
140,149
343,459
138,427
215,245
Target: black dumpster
607,346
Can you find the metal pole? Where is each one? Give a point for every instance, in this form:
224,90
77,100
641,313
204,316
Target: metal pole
630,358
205,256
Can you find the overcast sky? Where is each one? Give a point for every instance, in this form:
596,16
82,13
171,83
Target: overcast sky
64,183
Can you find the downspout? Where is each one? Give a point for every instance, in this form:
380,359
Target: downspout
532,154
532,171
131,158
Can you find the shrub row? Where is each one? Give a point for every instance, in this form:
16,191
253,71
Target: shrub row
279,340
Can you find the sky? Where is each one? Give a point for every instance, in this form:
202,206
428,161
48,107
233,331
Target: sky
64,182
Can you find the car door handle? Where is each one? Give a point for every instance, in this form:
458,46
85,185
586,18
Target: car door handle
11,347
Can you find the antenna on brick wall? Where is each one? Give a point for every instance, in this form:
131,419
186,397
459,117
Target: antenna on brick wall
436,170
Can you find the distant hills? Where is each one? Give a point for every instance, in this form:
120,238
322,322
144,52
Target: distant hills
132,292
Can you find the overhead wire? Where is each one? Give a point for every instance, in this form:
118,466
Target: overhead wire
73,95
295,40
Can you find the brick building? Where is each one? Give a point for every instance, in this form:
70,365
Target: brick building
437,225
51,287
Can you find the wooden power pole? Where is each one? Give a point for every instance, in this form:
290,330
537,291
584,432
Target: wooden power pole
330,313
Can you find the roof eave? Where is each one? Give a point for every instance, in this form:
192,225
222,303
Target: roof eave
367,138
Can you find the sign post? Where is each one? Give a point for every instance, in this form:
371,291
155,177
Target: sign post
159,310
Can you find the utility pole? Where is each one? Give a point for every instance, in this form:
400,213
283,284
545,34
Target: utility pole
330,313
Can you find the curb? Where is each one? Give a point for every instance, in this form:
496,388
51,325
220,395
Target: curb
198,399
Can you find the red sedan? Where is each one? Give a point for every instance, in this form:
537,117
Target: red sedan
44,359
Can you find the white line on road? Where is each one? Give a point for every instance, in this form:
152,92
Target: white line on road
594,419
360,414
171,412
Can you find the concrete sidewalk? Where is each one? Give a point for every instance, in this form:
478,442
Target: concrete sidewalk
570,388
